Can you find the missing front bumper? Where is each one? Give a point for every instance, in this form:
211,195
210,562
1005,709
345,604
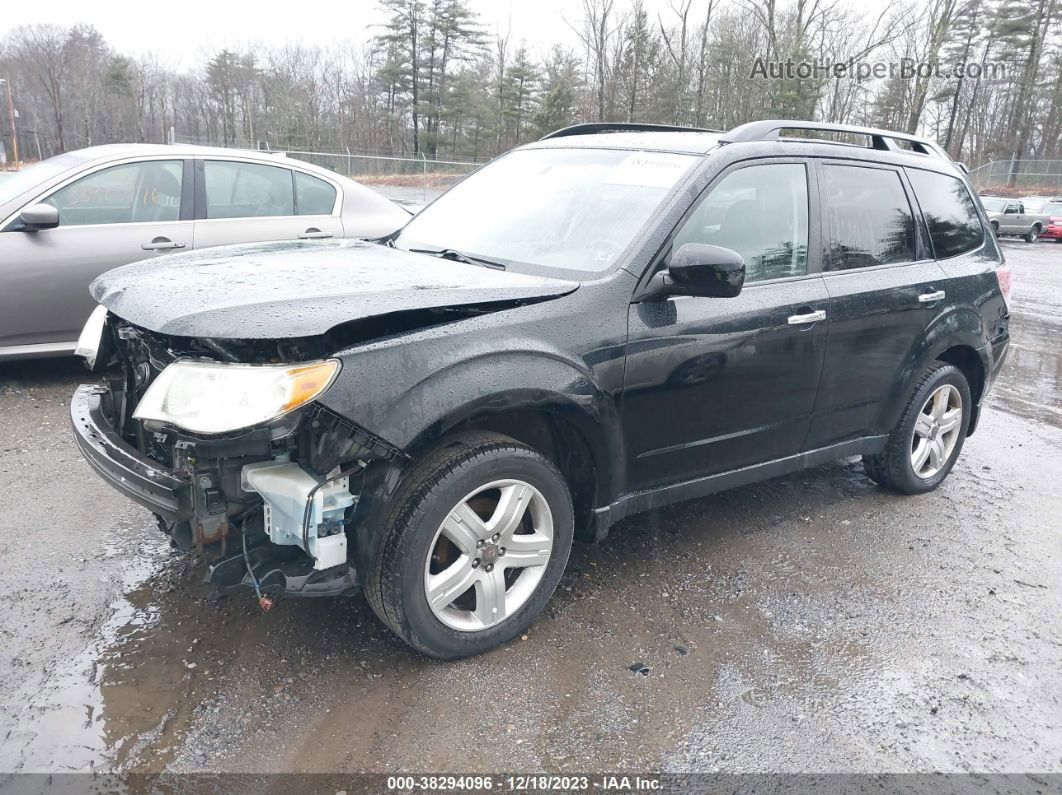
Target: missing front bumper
123,467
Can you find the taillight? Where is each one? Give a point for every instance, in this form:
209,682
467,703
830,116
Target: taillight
1003,277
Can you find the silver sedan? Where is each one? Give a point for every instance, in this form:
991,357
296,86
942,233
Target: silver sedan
68,219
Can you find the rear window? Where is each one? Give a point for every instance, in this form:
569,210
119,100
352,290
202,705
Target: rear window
313,196
950,213
870,218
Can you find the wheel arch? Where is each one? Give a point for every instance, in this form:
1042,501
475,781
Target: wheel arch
955,337
554,425
540,398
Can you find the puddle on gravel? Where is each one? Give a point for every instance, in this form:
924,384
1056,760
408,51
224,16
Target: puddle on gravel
112,706
1034,371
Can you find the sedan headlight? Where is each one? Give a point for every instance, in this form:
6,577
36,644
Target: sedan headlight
208,397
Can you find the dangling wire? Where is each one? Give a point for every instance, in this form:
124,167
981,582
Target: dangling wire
263,601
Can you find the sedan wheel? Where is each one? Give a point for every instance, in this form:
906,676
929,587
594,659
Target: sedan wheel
489,555
936,431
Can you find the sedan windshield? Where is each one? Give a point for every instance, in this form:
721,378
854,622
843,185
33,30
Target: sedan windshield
568,209
14,185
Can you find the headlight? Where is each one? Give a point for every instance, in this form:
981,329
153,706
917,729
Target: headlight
208,397
88,344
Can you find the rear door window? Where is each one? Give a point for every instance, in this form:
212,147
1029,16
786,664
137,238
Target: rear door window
313,196
247,190
950,213
870,219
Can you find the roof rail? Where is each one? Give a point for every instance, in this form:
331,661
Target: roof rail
770,129
593,127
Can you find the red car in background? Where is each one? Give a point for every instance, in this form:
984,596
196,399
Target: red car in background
1053,231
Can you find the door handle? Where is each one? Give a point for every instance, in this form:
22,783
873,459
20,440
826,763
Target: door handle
161,244
314,234
928,298
807,317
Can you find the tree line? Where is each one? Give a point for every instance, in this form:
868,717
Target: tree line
434,82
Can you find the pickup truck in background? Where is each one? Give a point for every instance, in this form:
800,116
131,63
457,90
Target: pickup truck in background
1008,217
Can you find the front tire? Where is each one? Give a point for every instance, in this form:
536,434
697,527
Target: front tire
473,546
923,447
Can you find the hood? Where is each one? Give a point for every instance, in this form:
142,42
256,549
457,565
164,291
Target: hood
300,289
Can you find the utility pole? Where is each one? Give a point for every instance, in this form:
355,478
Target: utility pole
11,116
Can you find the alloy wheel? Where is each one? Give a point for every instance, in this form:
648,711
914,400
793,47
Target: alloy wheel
488,555
936,431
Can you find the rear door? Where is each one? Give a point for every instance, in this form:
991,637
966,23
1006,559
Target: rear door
244,202
885,289
715,384
108,217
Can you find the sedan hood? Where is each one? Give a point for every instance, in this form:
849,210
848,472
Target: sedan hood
297,289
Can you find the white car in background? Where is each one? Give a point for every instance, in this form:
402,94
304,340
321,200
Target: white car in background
68,219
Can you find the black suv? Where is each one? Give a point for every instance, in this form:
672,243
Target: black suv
606,321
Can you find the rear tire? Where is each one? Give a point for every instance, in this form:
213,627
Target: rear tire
482,526
1032,235
923,447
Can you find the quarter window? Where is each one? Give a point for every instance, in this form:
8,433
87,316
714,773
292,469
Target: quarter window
870,219
954,226
134,192
313,196
761,212
247,190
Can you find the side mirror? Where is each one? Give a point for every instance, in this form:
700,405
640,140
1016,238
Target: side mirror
700,269
39,216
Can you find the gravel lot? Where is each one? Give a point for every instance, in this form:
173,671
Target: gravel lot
812,623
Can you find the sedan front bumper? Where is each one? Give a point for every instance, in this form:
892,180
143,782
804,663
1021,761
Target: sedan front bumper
125,468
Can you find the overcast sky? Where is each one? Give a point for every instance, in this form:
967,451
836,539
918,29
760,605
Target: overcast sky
182,31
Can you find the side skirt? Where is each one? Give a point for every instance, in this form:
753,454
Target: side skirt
651,499
45,350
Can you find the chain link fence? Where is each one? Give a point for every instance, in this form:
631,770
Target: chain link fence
1019,177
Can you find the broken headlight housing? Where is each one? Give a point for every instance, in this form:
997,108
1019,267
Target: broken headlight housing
214,397
91,339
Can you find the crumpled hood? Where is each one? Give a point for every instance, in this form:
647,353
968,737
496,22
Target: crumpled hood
299,289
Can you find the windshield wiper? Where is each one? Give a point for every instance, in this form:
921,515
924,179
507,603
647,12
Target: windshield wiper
460,256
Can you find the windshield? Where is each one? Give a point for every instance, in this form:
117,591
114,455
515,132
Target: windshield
14,185
1052,209
993,205
570,209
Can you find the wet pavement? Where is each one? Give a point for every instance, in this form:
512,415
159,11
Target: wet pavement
811,623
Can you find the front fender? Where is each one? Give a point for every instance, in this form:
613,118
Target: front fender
958,326
417,414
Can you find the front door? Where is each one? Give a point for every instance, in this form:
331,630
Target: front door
1013,221
884,290
242,202
715,384
111,217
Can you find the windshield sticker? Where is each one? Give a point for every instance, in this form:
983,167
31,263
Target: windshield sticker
649,170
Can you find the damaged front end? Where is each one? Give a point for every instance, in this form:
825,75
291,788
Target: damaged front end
270,503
